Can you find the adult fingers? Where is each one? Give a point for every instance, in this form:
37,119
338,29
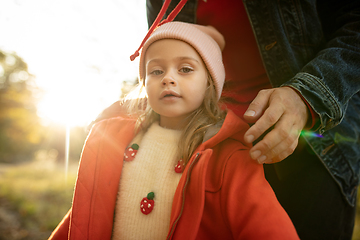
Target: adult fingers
275,141
271,116
280,151
288,114
258,106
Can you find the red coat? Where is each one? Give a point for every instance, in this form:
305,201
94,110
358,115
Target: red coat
222,194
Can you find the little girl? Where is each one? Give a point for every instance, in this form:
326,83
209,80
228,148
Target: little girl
176,166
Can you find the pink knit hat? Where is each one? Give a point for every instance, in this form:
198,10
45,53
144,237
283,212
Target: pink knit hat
206,40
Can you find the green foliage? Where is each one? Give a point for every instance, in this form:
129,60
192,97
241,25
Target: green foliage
20,129
38,195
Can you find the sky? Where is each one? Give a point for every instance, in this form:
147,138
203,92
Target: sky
78,51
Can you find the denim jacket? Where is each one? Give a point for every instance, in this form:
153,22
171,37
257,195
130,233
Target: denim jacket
314,47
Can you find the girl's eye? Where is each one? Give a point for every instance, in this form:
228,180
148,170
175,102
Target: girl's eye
186,69
156,72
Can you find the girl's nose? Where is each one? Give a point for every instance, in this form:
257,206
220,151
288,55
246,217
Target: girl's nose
168,80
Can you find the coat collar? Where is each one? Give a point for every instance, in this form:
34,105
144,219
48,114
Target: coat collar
232,127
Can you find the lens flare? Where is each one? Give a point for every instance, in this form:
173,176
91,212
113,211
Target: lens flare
310,134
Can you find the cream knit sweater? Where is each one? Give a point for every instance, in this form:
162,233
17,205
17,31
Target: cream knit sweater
152,170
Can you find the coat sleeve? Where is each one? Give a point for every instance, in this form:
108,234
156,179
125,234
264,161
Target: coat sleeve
62,230
331,79
249,203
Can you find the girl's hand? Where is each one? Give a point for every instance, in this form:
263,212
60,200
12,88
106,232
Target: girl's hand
282,108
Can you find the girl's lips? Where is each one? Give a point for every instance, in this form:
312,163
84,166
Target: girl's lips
169,94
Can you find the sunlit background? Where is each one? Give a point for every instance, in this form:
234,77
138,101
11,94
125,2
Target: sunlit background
78,51
61,63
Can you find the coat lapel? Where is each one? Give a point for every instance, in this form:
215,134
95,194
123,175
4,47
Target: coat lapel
98,179
189,198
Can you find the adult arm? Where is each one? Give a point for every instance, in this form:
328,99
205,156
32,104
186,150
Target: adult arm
326,83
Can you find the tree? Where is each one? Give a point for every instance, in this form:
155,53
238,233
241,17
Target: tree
20,128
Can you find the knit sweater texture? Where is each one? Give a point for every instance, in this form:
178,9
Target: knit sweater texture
152,170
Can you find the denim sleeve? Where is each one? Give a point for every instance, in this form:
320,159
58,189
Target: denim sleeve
187,13
152,9
332,78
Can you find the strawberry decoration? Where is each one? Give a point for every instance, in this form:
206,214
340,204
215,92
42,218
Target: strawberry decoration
179,167
147,203
130,152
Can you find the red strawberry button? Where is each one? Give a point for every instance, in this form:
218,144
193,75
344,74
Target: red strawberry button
179,167
147,203
130,152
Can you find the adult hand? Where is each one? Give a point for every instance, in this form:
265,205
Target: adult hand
282,108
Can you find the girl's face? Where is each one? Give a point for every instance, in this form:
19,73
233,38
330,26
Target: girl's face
176,81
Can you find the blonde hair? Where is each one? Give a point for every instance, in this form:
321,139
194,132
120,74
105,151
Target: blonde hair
200,120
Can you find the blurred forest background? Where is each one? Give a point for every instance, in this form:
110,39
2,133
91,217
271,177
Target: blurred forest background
34,193
38,161
61,63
